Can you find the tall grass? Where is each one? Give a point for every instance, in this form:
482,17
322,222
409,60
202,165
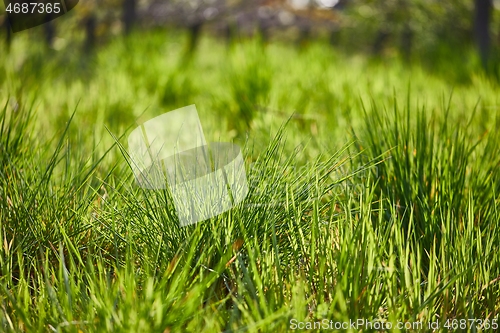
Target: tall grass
365,202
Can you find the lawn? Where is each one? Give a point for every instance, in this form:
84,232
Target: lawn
373,190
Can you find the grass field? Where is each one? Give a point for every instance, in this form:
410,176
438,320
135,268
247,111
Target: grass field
374,191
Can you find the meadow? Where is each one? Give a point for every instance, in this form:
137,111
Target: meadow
374,190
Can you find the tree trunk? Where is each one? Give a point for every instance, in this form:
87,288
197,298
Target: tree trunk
406,42
90,38
49,31
334,36
263,28
8,36
230,32
380,42
194,36
482,28
304,35
406,39
129,15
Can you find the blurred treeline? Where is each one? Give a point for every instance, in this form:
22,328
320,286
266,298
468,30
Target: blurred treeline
446,36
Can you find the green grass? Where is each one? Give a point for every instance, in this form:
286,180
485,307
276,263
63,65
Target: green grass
373,191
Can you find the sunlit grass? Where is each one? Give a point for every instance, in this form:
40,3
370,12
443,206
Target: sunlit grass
373,192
